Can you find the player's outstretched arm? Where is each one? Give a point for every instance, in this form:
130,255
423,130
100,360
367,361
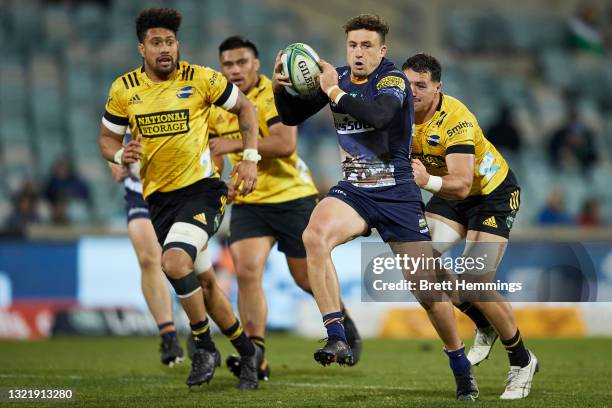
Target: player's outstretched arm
292,110
246,169
377,113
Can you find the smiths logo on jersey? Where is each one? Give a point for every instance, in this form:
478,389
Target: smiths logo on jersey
160,124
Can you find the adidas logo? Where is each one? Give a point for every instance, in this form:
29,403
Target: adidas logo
201,217
134,99
490,222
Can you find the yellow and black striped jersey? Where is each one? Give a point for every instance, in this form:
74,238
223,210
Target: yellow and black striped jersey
454,129
279,179
171,120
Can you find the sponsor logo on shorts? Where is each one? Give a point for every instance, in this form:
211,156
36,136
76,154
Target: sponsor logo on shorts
217,221
490,222
510,219
338,191
201,217
422,223
160,124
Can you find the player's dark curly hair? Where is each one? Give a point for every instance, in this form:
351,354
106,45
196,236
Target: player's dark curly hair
370,22
422,63
156,18
238,41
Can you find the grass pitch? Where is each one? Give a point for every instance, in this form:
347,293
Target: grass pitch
118,372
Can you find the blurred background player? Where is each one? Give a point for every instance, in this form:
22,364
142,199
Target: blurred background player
378,189
154,286
166,104
476,198
285,191
148,251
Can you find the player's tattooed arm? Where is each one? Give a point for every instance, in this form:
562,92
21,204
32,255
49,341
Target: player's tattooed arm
246,170
247,120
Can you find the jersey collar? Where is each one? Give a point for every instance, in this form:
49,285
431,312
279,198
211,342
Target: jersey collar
182,65
259,87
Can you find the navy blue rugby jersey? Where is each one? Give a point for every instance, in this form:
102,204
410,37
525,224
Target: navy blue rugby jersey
370,157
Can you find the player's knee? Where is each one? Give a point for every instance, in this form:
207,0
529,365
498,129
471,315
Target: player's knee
176,263
187,237
248,279
315,241
248,268
486,256
149,261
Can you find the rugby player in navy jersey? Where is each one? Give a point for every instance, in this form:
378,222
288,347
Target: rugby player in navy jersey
373,114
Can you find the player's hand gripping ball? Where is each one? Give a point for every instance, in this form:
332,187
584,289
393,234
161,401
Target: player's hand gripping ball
301,65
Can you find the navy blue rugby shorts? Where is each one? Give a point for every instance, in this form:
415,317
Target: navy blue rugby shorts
397,211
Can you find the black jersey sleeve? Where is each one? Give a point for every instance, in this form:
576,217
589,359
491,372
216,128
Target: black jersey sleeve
293,110
377,113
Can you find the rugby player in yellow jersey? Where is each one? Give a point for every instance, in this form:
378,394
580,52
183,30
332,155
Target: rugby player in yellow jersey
166,104
476,197
279,210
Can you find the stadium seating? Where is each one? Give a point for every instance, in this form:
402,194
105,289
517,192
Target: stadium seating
61,57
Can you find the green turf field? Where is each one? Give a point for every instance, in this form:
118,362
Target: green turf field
113,372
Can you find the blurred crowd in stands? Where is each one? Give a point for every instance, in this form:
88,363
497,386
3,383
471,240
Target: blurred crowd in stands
552,119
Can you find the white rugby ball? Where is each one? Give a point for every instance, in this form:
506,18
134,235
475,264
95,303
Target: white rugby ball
301,64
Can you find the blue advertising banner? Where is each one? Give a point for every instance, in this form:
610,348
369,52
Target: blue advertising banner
40,270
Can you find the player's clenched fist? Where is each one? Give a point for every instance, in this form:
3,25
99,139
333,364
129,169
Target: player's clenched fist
131,152
246,175
421,177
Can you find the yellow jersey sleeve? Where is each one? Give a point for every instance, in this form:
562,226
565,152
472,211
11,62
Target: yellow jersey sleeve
461,132
212,122
217,89
115,111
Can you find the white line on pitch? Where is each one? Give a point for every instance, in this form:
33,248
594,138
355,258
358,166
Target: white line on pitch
60,377
352,386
